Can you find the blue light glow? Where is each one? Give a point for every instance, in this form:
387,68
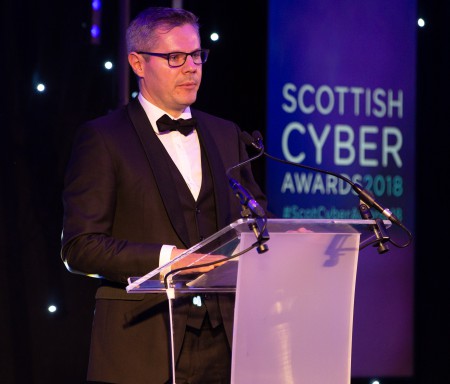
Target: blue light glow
96,5
95,31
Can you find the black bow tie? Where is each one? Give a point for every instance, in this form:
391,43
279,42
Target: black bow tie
166,124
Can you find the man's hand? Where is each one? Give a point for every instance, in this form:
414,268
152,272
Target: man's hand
300,230
195,259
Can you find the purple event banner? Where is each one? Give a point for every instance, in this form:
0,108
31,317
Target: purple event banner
341,97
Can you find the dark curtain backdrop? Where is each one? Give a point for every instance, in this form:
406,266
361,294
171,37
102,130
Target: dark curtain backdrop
49,41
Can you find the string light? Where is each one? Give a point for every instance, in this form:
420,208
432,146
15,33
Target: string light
52,308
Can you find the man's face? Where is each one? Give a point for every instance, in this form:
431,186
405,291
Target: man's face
172,89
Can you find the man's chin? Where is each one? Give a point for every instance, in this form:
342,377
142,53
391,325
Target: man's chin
187,101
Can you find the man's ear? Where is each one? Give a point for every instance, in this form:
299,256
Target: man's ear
136,63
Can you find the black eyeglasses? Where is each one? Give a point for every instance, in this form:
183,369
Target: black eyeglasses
177,59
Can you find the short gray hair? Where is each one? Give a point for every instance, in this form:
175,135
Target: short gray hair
141,34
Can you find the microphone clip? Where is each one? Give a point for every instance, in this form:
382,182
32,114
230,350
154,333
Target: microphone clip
380,232
259,228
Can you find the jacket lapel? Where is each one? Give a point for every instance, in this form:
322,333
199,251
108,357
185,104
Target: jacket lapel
156,156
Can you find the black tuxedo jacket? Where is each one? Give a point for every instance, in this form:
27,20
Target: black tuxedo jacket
120,204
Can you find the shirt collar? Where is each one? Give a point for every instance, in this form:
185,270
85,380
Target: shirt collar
154,113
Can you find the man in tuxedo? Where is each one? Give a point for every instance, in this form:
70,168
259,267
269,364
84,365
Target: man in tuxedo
137,194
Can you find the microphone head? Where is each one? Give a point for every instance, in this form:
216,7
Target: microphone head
255,140
258,140
257,135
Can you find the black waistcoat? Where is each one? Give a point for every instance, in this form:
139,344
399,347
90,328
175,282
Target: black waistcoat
201,220
200,215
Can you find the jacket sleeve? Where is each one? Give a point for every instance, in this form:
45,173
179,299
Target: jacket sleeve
89,245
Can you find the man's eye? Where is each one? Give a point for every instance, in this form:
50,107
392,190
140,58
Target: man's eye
176,57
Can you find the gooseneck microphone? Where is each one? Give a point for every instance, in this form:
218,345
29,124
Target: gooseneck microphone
250,207
256,141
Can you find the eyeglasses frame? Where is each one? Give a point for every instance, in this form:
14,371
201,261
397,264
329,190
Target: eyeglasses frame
167,56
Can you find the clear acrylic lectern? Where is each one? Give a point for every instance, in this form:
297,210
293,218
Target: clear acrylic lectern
294,302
